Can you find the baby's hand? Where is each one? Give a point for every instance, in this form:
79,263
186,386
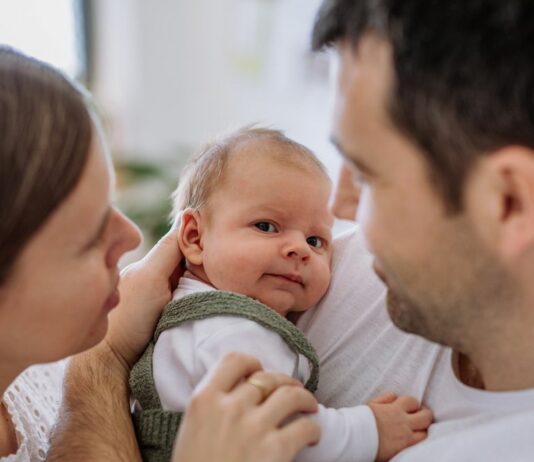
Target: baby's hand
401,422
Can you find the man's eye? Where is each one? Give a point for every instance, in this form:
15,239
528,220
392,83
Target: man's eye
315,241
266,227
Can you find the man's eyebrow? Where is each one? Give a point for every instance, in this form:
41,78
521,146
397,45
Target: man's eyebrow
360,166
101,228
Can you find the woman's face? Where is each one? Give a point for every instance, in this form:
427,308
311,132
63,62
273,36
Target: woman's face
57,299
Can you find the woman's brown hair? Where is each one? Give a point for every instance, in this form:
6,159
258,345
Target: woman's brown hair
45,135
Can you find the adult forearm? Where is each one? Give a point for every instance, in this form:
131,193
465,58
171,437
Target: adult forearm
94,422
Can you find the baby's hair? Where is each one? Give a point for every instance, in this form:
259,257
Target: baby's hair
205,170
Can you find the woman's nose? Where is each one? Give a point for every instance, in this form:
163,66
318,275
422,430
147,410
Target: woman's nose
126,236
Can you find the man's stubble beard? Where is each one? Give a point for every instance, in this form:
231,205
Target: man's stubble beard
461,297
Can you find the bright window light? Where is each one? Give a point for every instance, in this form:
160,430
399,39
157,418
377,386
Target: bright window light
46,30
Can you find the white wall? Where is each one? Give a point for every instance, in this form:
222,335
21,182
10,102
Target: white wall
175,72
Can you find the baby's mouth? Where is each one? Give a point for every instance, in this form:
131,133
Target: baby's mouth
291,277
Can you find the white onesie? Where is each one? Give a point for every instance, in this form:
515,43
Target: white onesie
185,355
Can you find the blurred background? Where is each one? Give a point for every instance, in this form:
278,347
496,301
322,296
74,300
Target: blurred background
168,75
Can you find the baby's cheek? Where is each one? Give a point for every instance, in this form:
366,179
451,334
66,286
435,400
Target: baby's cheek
323,281
233,273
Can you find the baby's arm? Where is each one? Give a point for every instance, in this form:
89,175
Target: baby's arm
367,433
347,435
185,356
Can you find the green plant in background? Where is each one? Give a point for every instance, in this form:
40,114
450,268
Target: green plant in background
144,189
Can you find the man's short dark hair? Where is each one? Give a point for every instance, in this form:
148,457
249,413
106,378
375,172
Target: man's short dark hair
464,74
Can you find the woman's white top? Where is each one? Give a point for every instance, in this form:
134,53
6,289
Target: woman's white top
33,401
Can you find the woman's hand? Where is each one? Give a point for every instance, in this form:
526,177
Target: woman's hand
145,288
230,421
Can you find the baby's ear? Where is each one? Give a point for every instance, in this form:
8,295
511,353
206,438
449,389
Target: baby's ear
190,236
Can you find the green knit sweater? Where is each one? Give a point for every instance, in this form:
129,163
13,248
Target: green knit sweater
155,428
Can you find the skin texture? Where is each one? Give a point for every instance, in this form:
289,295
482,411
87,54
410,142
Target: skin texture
238,255
458,279
401,423
347,195
95,422
80,246
64,283
238,426
266,224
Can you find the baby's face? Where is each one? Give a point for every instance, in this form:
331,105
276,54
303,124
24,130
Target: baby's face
268,234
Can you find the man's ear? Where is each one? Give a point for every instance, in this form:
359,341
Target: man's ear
506,195
190,236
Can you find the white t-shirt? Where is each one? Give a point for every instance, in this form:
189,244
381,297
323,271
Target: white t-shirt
363,354
185,355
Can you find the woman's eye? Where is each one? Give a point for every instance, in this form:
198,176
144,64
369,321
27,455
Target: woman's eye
315,241
266,227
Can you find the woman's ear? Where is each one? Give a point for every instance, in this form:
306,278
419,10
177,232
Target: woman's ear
190,236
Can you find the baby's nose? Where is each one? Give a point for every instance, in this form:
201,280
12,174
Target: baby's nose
298,248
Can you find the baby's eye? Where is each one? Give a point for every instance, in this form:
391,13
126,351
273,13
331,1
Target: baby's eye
266,227
315,241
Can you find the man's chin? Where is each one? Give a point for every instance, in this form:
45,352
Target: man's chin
409,318
400,312
392,306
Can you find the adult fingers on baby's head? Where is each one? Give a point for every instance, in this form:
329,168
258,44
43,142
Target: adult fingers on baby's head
165,256
177,222
285,402
232,369
421,419
408,403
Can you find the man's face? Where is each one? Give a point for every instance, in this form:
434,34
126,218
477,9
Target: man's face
437,270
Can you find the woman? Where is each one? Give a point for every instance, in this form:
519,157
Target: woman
60,241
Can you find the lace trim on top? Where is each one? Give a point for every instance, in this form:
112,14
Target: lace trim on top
32,401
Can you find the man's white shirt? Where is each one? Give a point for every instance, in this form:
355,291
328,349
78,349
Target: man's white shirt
363,354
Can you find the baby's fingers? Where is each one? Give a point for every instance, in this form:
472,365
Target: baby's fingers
421,420
408,404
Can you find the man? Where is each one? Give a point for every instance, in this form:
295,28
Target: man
435,112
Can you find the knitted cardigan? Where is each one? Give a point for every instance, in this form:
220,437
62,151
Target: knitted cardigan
155,428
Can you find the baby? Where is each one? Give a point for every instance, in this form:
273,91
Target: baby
256,236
